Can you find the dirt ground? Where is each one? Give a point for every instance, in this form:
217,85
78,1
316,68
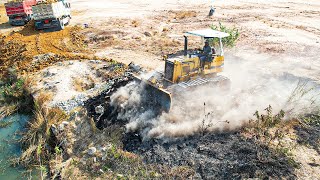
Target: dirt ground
278,38
281,31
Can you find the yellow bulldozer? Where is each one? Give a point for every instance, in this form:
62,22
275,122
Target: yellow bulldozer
187,71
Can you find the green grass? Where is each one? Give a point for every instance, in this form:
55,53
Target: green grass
15,96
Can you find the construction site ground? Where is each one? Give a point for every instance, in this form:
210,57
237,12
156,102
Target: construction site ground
278,39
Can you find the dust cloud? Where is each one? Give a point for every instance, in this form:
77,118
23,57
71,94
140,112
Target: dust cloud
255,84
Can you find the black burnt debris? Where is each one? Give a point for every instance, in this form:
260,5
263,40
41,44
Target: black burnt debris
309,133
109,116
104,113
212,156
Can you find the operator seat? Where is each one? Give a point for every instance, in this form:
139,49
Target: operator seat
213,52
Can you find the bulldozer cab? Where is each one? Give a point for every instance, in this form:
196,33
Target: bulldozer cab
213,36
183,68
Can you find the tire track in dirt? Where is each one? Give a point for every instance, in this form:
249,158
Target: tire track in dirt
38,46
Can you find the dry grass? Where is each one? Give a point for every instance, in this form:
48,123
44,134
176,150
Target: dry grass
44,97
78,85
81,84
135,23
166,45
37,138
93,125
39,127
8,110
185,14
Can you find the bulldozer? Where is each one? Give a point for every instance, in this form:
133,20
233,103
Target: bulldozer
186,71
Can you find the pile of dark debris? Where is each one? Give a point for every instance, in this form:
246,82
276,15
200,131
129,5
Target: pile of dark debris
227,155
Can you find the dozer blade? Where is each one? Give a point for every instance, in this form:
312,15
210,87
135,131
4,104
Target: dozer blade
155,98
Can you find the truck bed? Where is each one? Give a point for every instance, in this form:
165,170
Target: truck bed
49,11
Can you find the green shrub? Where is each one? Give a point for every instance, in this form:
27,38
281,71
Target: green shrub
269,120
229,41
15,96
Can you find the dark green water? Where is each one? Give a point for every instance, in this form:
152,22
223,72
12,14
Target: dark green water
9,148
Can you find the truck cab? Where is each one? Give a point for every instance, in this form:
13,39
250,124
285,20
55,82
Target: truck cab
19,12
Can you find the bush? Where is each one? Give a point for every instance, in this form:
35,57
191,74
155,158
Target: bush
229,41
269,120
15,96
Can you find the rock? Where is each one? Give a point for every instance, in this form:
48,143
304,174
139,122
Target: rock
50,72
120,175
92,151
108,146
134,67
48,86
104,157
104,149
69,105
99,148
148,34
54,129
61,127
92,61
201,148
65,123
99,109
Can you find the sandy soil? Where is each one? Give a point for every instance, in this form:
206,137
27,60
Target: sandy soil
284,32
277,37
63,84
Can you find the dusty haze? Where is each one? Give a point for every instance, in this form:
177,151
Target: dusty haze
255,85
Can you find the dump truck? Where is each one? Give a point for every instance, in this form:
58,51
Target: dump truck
187,71
51,14
19,11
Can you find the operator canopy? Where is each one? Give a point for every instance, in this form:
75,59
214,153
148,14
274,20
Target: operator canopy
208,33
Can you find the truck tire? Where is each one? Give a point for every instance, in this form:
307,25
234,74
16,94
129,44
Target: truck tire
61,25
68,21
